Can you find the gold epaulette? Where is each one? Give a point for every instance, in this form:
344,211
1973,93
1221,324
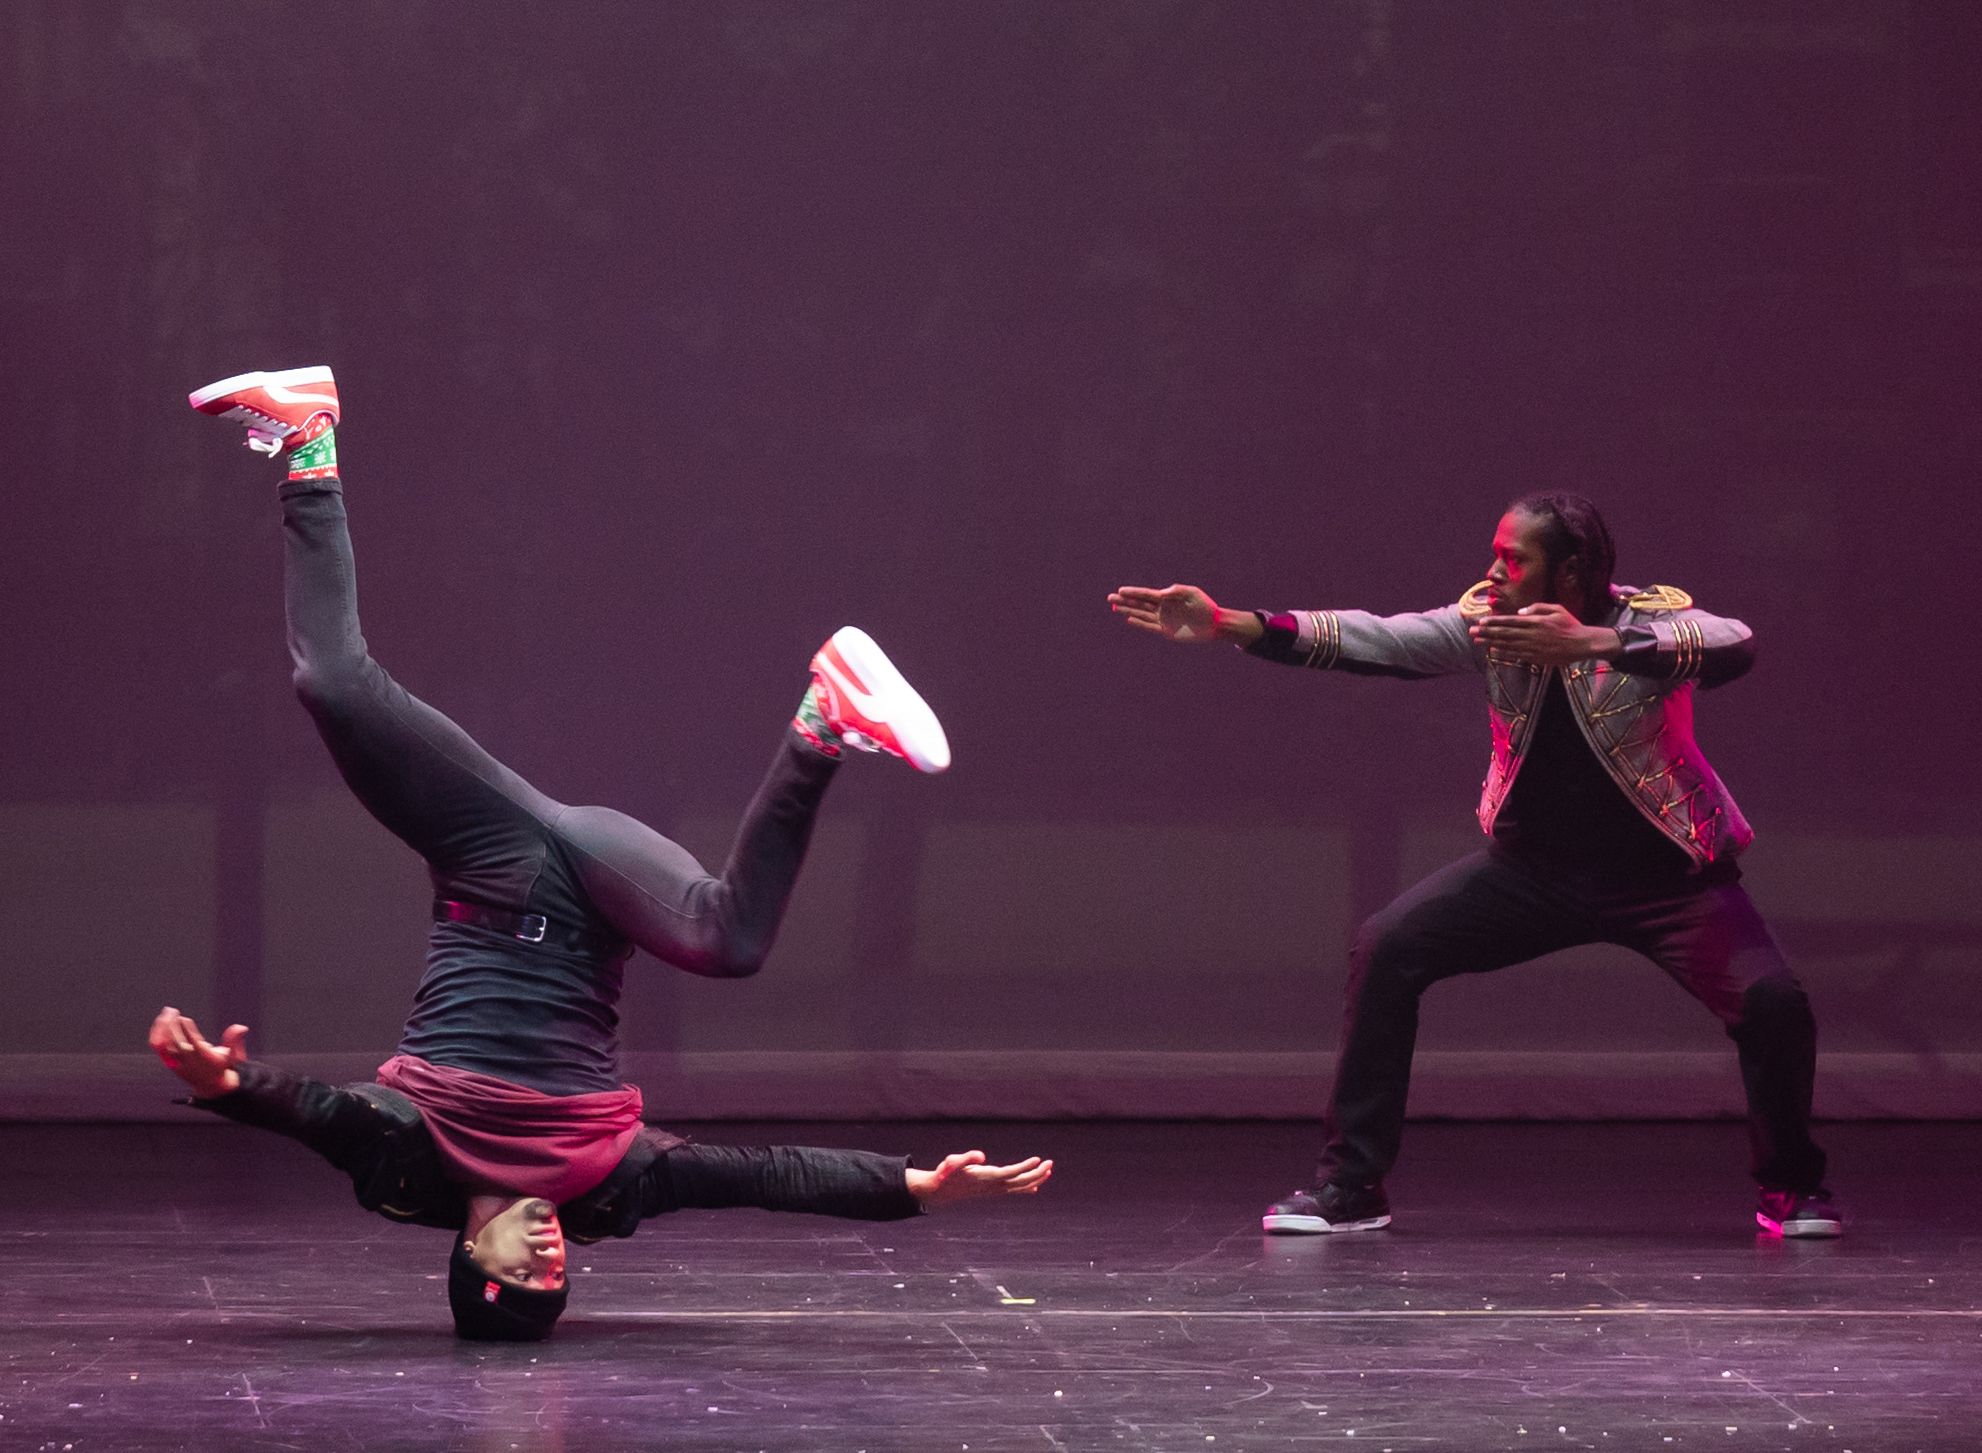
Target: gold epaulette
1473,604
1659,597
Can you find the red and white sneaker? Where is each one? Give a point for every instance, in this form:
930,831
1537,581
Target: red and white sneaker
871,705
275,406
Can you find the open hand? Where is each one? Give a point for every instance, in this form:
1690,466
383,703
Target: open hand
1180,613
208,1068
1542,635
965,1177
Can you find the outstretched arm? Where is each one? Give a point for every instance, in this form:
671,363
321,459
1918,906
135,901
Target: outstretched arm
375,1137
1184,613
1421,643
856,1184
334,1123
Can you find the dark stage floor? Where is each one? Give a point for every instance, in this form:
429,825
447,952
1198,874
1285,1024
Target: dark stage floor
1544,1286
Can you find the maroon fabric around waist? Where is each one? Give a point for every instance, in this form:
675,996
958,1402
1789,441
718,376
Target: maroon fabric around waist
496,1136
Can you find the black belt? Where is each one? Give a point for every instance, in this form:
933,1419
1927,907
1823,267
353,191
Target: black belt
531,928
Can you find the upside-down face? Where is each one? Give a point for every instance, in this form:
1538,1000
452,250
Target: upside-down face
523,1244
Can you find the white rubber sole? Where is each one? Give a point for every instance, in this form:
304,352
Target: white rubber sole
1800,1230
1315,1226
292,378
916,729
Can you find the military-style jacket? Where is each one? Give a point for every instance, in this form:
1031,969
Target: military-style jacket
1636,712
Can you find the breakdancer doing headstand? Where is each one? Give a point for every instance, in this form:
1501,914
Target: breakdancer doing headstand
1604,822
502,1116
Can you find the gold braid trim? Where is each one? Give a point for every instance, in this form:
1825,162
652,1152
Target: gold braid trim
1659,597
1689,642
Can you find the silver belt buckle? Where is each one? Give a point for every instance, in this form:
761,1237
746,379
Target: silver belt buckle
534,927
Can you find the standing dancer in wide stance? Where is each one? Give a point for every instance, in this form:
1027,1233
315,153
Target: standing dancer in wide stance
1606,825
502,1116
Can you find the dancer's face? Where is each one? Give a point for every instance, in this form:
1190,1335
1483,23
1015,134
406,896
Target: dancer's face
1520,574
522,1244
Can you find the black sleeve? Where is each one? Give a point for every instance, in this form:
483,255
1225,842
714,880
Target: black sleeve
372,1134
856,1184
338,1124
1278,638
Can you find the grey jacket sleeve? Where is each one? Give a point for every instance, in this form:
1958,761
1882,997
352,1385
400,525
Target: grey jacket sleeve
1414,645
1685,645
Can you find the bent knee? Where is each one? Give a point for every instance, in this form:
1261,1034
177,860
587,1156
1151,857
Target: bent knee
1393,933
323,686
716,961
1772,999
738,963
1385,948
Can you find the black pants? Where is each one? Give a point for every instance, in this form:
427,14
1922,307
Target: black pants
1497,908
489,836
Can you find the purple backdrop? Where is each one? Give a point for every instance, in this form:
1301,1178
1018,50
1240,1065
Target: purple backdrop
674,335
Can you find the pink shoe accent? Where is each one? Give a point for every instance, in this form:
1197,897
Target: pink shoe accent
830,749
872,706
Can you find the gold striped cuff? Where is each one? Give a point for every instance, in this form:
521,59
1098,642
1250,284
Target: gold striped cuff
1320,632
1689,649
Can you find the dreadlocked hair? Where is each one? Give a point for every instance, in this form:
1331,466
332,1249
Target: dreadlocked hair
1572,530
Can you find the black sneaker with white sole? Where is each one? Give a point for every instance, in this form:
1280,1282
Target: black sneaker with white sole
1332,1208
1799,1213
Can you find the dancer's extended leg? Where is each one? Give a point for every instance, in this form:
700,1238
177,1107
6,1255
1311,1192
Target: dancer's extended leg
483,830
655,893
1714,944
486,833
1473,916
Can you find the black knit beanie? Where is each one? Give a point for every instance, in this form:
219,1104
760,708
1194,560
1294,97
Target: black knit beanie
487,1310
